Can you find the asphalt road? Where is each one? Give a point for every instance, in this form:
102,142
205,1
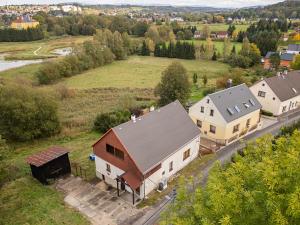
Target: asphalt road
223,155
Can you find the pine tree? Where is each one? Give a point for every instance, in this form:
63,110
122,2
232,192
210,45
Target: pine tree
145,50
157,51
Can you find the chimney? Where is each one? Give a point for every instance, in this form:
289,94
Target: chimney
229,83
133,118
152,108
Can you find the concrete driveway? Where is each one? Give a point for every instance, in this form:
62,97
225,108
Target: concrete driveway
99,205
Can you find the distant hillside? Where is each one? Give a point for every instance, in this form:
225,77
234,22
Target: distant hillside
286,9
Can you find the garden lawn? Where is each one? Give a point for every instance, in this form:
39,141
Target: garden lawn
140,72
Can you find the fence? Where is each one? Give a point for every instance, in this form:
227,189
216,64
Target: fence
78,170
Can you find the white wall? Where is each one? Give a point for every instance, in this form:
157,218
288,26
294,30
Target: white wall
110,178
152,182
268,103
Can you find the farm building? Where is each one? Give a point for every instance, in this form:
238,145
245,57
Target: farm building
285,60
49,164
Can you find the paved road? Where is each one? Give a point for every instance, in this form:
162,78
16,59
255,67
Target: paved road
224,155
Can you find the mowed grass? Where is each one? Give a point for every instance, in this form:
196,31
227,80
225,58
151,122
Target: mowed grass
24,72
140,72
219,45
25,201
25,50
218,26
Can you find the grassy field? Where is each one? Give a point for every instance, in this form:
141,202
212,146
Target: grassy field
218,44
39,49
217,26
140,72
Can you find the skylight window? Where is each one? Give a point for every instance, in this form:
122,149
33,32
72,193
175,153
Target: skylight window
230,111
246,105
237,108
252,102
294,90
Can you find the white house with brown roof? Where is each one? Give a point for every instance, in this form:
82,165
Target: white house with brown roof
278,94
227,115
142,154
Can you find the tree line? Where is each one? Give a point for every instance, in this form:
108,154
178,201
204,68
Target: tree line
103,49
180,50
16,35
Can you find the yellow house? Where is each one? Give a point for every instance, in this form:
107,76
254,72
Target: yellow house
227,115
24,22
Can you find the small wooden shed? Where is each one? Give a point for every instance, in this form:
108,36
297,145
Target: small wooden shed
49,164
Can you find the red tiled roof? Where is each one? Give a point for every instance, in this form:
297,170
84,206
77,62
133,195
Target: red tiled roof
131,179
46,156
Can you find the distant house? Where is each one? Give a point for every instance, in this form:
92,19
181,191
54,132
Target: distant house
219,35
198,34
142,154
227,115
285,60
24,22
293,49
279,94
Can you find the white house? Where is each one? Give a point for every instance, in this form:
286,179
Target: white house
142,154
279,94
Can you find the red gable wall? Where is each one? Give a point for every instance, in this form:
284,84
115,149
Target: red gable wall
100,150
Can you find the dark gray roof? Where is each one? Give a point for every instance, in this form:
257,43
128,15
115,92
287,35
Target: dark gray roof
235,102
284,56
294,47
285,86
287,56
157,135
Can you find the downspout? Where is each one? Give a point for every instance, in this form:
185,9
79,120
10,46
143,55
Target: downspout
144,186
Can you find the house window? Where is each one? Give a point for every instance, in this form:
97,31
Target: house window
207,101
202,109
114,151
262,94
248,123
263,84
274,98
110,149
212,129
199,123
170,166
119,154
186,154
236,128
283,108
108,168
211,112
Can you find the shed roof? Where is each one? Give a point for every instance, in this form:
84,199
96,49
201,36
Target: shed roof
157,135
46,156
285,86
235,102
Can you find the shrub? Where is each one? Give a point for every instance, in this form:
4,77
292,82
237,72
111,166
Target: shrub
48,73
266,113
105,121
208,91
26,114
239,61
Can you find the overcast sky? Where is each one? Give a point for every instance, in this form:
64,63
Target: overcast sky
214,3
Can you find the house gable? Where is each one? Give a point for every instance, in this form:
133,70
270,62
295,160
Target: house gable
126,164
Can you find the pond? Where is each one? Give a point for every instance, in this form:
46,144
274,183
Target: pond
62,51
10,64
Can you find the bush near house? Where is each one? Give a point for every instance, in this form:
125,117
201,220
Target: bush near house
26,114
105,121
